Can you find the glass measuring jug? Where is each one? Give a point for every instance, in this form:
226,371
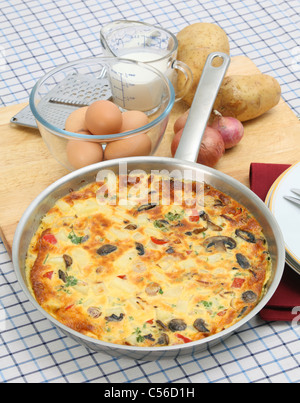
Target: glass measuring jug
149,44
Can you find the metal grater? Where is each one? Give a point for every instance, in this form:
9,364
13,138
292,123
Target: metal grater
73,92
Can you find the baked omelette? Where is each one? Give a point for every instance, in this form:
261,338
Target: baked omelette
158,270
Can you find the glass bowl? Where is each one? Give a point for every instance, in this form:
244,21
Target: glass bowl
128,84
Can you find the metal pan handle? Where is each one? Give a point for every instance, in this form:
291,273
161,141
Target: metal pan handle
206,94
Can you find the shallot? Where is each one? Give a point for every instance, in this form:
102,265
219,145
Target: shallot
181,121
212,147
231,129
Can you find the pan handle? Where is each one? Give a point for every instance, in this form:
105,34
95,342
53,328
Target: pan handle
206,94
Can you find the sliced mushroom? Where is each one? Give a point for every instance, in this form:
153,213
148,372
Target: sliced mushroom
162,224
131,227
85,238
148,337
243,311
94,312
219,243
249,297
152,289
218,203
177,325
242,261
245,235
210,224
213,226
198,231
62,275
115,318
203,215
140,248
146,207
163,340
106,250
170,250
226,217
200,325
161,324
68,260
224,199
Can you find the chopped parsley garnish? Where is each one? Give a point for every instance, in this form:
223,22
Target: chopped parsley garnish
46,259
139,337
206,304
174,216
71,281
74,238
161,224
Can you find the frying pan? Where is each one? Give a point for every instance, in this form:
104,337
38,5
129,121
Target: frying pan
183,162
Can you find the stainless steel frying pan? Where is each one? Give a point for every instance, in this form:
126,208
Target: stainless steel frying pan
183,162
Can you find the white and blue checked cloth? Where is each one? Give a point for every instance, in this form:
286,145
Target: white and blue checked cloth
36,35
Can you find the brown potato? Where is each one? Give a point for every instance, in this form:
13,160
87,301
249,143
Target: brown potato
195,43
247,97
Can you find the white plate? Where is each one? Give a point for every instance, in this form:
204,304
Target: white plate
273,187
293,264
290,262
287,213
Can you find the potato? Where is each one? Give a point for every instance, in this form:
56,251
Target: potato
195,43
247,97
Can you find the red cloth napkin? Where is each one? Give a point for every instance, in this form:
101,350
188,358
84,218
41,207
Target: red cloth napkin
287,296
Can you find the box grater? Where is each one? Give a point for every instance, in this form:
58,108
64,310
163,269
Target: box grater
74,91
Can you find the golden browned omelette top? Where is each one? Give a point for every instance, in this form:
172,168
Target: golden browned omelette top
147,272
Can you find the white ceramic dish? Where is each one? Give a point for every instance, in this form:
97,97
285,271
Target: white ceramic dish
287,213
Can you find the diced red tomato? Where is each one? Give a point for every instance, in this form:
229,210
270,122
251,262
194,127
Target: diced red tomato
123,277
237,283
158,241
222,313
50,238
194,217
48,275
150,321
185,339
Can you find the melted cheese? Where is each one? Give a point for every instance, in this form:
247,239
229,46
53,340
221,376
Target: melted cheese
148,272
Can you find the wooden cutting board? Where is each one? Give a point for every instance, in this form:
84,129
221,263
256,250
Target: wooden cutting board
27,168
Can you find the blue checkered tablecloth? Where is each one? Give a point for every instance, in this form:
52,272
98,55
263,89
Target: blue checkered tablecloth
35,36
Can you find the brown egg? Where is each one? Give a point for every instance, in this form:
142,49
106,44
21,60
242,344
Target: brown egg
75,123
83,153
139,145
133,120
103,117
